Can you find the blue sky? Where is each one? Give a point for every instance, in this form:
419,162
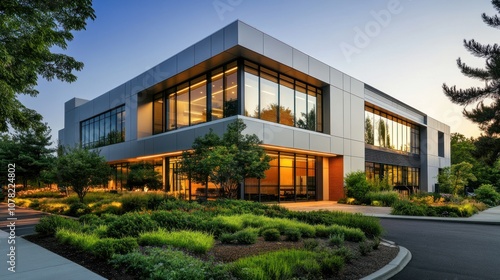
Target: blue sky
405,48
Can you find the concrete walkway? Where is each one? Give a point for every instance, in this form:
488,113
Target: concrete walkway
489,216
32,262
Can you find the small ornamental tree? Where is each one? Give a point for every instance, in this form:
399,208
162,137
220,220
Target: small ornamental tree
82,169
143,174
454,178
225,161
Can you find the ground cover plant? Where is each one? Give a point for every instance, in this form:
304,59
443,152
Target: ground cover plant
222,239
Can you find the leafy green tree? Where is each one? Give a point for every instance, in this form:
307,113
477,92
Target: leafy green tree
143,174
225,161
454,178
82,169
30,30
488,97
462,149
357,186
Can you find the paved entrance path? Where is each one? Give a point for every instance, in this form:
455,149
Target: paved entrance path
489,216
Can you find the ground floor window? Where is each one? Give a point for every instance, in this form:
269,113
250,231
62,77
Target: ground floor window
292,177
398,176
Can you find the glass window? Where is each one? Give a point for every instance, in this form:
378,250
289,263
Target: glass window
376,126
268,96
158,113
369,127
182,106
198,97
300,105
251,93
311,108
319,111
171,122
287,102
287,189
231,92
389,132
100,130
217,94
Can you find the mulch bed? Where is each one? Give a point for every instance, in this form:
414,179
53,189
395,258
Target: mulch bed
357,268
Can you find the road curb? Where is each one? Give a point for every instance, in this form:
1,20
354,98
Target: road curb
392,268
438,219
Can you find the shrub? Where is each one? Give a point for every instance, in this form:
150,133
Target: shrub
487,194
293,234
246,236
285,264
405,207
156,263
181,220
131,224
331,264
194,241
271,234
311,244
357,185
48,225
227,238
134,202
369,225
365,248
386,198
90,219
345,253
336,239
78,209
78,240
105,248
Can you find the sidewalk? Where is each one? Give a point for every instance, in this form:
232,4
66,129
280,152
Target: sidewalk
489,216
33,262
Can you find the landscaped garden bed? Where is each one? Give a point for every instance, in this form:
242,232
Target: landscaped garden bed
164,238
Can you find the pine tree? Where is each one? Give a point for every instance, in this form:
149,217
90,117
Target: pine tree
487,111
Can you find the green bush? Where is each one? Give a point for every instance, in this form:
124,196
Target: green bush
293,234
131,224
336,239
227,238
271,234
176,219
369,225
159,263
345,253
106,247
405,207
386,198
487,194
365,248
78,240
194,241
331,264
246,236
134,202
90,219
285,264
48,225
310,244
357,186
78,209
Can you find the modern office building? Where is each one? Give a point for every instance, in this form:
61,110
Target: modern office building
317,123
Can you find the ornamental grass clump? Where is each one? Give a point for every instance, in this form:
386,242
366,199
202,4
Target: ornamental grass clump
197,242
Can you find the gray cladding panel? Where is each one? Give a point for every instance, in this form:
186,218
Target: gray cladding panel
336,78
320,143
301,139
231,35
347,82
202,50
300,61
319,70
217,42
379,156
337,111
185,139
251,38
278,135
185,59
101,104
277,50
337,145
